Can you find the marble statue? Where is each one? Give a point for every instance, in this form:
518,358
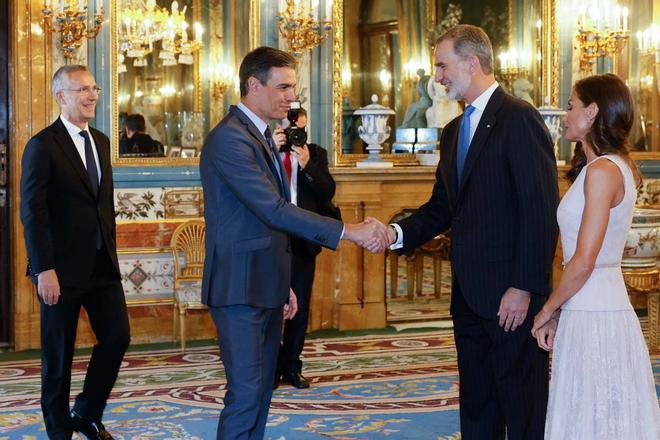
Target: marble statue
522,88
443,109
415,116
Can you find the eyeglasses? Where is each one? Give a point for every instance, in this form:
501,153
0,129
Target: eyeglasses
86,90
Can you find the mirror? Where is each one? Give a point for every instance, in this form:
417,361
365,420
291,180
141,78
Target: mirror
636,61
173,74
381,49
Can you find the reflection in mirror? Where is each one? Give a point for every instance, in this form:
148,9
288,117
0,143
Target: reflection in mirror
158,47
385,48
174,74
631,56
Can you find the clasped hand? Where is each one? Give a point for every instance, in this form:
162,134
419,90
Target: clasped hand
370,234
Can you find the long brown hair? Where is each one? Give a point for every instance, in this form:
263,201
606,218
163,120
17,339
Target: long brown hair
611,127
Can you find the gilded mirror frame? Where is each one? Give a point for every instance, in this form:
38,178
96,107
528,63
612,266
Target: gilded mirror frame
549,80
254,40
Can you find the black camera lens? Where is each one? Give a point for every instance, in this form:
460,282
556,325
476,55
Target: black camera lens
294,137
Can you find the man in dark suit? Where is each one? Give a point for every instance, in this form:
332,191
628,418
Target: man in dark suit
496,187
312,188
249,217
137,141
69,220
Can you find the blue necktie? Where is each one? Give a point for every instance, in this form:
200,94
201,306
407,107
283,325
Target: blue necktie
90,163
463,142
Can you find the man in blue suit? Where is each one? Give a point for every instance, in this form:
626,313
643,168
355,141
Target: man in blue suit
496,187
249,219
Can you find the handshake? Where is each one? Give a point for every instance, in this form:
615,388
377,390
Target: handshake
371,234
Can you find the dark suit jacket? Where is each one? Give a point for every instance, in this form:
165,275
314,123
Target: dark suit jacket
60,215
503,213
141,143
249,219
316,187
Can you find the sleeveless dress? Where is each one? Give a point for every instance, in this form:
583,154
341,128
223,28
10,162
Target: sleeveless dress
602,384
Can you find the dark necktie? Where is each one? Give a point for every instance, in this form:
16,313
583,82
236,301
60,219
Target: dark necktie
463,142
90,163
92,173
287,164
273,152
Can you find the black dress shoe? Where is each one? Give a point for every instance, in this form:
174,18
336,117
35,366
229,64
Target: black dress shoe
295,379
91,430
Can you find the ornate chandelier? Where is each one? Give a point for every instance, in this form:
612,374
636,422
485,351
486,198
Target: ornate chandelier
142,25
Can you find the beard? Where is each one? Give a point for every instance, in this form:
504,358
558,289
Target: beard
459,84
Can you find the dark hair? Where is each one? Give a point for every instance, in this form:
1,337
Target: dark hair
136,122
259,62
611,127
470,40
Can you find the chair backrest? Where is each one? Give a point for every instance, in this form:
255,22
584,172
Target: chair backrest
188,250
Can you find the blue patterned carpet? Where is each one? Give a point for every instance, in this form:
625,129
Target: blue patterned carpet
401,386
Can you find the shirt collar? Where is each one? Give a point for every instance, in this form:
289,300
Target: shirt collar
72,128
482,100
256,120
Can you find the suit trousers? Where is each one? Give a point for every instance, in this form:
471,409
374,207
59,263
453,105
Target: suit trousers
249,339
503,375
104,302
295,329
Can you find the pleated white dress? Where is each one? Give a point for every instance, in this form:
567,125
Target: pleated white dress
602,384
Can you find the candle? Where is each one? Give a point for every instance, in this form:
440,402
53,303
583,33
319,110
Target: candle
624,13
328,10
184,31
296,6
199,30
61,6
315,9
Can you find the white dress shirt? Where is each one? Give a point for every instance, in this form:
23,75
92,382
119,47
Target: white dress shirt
479,105
293,185
79,142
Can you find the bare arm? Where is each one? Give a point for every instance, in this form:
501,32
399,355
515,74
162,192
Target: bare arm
603,189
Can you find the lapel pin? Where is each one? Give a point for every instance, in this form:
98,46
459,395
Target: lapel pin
487,125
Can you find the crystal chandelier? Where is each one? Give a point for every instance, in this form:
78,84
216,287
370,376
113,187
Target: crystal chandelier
142,25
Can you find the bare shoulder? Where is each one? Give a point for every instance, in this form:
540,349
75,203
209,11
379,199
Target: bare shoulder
603,177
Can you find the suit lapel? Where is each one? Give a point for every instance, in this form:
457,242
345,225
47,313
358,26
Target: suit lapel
66,144
485,127
452,140
265,150
103,151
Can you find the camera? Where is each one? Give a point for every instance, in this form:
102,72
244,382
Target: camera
295,136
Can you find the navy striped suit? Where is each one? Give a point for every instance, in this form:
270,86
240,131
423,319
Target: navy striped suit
502,217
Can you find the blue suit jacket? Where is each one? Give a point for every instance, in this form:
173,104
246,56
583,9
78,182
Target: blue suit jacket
502,214
249,219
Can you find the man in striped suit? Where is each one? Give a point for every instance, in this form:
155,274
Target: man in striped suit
496,189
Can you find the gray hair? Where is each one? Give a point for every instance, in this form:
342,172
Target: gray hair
471,40
64,72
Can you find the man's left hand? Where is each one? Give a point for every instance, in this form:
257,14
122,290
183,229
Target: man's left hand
302,154
291,307
513,308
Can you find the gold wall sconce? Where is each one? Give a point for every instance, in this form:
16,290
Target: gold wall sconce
70,20
222,76
514,64
300,25
602,32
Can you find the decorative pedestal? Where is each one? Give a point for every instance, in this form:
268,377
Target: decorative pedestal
647,281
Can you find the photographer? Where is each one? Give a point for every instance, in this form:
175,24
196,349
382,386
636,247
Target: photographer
312,188
137,141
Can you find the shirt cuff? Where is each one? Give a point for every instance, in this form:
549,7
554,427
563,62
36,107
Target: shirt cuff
343,229
398,244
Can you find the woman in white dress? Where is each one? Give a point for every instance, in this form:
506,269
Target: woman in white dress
602,385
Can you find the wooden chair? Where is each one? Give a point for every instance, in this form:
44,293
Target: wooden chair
188,251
